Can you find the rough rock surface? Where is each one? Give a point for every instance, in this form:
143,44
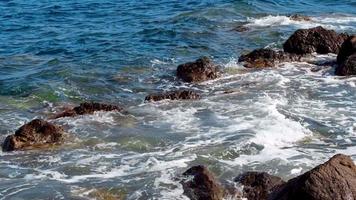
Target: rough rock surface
200,70
348,67
175,95
262,58
347,49
258,185
200,184
87,108
333,180
34,134
318,39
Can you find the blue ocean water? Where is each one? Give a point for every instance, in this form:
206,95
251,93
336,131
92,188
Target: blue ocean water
60,53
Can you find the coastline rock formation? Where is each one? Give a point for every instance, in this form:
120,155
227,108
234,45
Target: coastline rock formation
318,39
346,58
34,134
87,108
333,180
258,185
200,70
264,58
298,17
200,184
175,95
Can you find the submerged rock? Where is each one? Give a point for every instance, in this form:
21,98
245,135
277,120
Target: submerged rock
241,28
262,58
87,108
333,180
200,184
298,17
258,185
318,39
175,95
200,70
34,134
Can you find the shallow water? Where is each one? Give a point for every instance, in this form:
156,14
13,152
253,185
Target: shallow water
53,54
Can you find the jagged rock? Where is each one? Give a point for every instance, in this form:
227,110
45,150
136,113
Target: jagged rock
298,17
87,108
34,134
333,180
262,58
175,95
258,185
200,184
318,39
347,49
200,70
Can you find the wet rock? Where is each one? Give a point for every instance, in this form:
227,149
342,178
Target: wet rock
262,58
175,95
298,17
258,185
87,108
241,28
200,70
348,67
318,39
333,180
36,133
200,184
347,49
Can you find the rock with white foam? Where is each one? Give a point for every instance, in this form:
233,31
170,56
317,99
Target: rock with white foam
202,69
346,58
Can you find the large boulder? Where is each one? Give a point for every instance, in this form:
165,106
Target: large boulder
200,184
87,108
36,133
258,185
318,39
347,49
200,70
333,180
262,58
175,95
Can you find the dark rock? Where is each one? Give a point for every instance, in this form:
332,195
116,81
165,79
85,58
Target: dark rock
200,70
347,49
348,67
333,180
87,108
258,185
200,184
318,39
298,17
34,134
262,58
175,95
241,28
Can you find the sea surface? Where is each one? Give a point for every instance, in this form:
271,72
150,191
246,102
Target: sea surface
55,54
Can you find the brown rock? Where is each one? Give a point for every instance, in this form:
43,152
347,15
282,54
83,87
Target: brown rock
298,17
258,185
36,133
347,49
262,58
333,180
348,67
200,70
175,95
200,184
318,39
87,108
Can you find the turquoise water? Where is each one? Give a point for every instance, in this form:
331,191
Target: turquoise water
54,54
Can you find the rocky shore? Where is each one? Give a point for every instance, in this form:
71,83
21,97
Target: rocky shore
333,180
